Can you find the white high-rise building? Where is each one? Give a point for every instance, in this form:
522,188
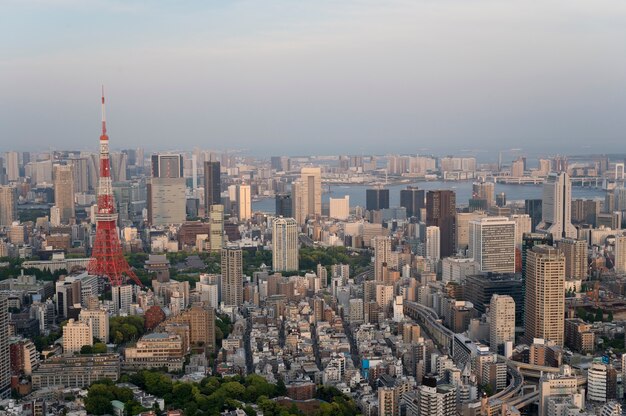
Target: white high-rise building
597,379
556,211
75,336
523,224
285,245
339,208
12,166
216,221
501,321
620,254
432,243
122,299
492,244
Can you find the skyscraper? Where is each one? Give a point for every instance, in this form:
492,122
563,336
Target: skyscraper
216,222
283,205
492,244
575,252
12,166
5,367
557,207
339,208
244,202
432,243
382,254
232,276
64,192
544,303
212,185
412,199
306,195
501,321
484,191
166,190
285,245
532,207
620,254
441,212
376,198
8,205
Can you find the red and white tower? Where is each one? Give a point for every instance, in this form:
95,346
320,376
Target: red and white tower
107,258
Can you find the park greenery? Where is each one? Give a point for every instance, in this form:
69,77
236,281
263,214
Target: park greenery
596,315
126,328
214,395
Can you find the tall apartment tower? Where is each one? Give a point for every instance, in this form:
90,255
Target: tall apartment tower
575,252
64,192
492,244
122,299
285,245
12,166
212,185
501,321
556,214
620,254
544,303
166,190
232,276
5,366
376,198
243,201
441,212
412,199
216,227
306,194
382,255
432,243
8,205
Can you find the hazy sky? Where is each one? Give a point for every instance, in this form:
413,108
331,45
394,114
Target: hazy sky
316,76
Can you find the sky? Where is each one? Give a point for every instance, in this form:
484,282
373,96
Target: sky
315,77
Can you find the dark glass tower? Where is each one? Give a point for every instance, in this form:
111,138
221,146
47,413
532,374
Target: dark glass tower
412,199
212,185
376,199
441,212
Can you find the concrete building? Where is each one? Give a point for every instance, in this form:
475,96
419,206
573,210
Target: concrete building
166,190
339,208
98,320
77,371
620,254
216,233
232,276
8,205
545,294
432,243
75,336
492,244
485,191
556,204
307,194
501,321
156,350
244,202
462,228
201,322
12,166
285,245
64,192
575,252
122,299
382,255
523,224
5,367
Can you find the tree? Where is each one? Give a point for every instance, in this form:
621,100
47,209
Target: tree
98,405
99,348
599,315
609,317
86,349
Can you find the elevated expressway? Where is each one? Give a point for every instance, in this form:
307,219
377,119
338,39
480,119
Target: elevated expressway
443,337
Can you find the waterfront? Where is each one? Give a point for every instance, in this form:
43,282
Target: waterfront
463,191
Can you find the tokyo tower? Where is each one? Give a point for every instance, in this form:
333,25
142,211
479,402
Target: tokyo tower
106,257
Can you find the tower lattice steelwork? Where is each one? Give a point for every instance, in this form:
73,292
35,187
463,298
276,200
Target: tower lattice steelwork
107,258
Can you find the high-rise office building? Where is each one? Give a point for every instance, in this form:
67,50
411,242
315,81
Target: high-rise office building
484,191
462,227
80,170
480,288
523,225
284,206
216,230
285,245
544,306
532,207
12,166
441,212
8,205
64,192
5,366
557,207
75,336
492,244
339,208
166,190
306,195
377,198
501,321
232,276
244,202
575,252
413,200
212,185
382,255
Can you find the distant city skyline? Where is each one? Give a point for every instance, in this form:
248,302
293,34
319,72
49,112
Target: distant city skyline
279,77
